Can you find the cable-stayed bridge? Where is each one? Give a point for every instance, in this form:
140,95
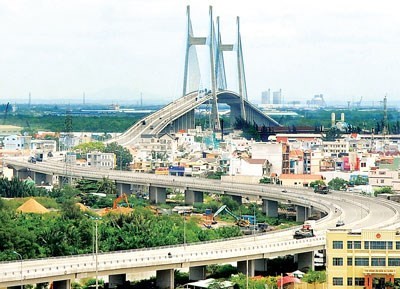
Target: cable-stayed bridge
180,114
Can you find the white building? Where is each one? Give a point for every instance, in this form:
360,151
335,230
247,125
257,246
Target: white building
100,160
44,145
16,142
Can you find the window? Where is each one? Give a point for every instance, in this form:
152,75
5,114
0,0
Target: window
359,261
349,261
357,244
378,245
349,281
359,281
337,281
394,262
349,244
378,261
337,244
337,261
397,245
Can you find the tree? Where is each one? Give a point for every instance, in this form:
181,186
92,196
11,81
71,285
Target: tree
332,134
314,277
88,147
338,184
317,183
124,157
383,190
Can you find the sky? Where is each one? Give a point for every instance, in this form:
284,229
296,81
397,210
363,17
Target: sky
118,51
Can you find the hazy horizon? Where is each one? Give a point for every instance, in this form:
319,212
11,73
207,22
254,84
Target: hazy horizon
114,52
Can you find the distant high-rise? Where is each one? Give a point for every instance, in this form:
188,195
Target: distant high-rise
266,96
277,97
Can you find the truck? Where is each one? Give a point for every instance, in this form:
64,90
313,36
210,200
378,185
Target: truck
321,189
306,231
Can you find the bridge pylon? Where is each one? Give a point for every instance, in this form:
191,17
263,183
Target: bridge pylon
217,66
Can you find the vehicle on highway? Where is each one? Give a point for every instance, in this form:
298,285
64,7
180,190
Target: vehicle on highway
306,231
32,160
339,223
321,189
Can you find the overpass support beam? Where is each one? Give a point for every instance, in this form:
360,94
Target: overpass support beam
301,213
62,284
40,178
247,267
123,188
237,199
192,197
305,261
165,279
197,273
260,266
270,208
157,195
116,280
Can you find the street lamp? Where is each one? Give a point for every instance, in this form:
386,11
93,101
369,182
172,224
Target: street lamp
97,247
184,228
20,257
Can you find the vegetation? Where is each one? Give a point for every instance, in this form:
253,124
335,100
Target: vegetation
314,277
338,184
56,123
123,156
383,190
265,180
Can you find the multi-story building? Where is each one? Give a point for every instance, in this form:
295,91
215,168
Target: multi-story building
277,97
384,178
335,148
367,259
16,142
266,97
100,160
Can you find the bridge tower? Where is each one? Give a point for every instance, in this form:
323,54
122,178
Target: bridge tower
218,81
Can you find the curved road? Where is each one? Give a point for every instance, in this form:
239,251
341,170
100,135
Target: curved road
357,212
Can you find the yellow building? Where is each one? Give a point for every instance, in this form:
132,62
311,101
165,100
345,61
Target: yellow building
363,259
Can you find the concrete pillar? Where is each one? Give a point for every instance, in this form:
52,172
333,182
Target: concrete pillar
157,195
305,261
62,284
237,199
270,208
300,214
165,279
116,280
260,266
123,188
246,267
192,197
197,273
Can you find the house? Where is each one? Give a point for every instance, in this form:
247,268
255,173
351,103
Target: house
16,142
300,180
100,160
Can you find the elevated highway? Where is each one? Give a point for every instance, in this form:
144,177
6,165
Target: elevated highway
357,212
180,115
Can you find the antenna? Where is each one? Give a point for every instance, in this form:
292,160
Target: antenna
29,101
141,99
385,119
84,100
